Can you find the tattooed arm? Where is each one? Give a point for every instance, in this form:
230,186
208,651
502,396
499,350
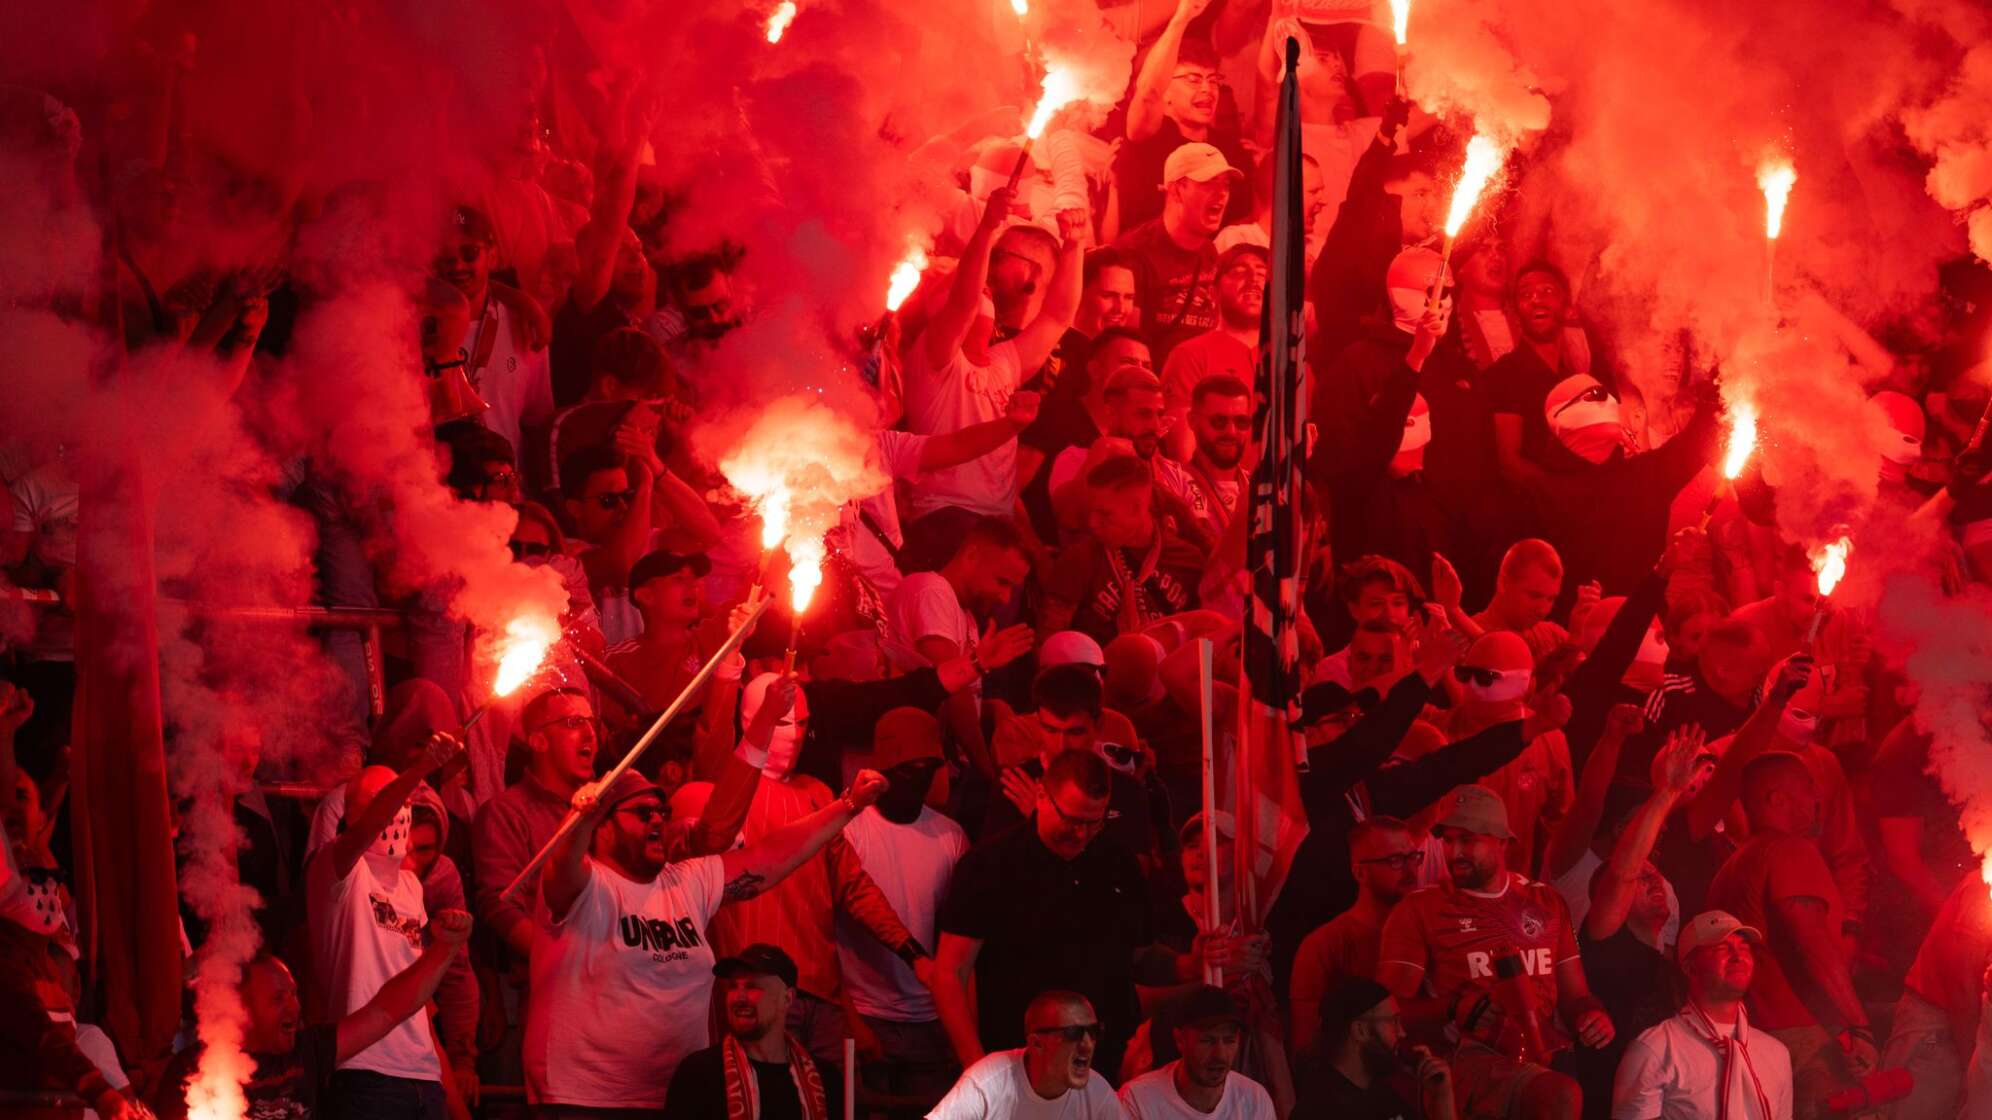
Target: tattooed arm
749,871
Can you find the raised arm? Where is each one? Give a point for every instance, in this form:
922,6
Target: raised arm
948,327
1144,109
406,991
1673,769
360,831
1061,300
951,449
1579,827
609,562
629,119
749,871
1725,786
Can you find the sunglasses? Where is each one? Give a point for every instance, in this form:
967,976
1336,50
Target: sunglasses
505,476
1474,674
644,813
523,550
1396,862
616,499
1093,824
571,723
1075,1032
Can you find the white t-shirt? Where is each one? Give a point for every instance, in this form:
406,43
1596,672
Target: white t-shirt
1575,887
366,929
1153,1096
954,397
621,987
1672,1072
900,453
912,864
996,1088
103,1053
516,383
924,606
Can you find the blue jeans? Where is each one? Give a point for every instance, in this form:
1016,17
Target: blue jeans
362,1094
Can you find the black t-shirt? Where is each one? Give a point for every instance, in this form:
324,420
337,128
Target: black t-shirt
1519,383
571,353
1138,174
284,1087
1320,1090
1087,578
1045,923
1062,422
698,1088
1177,287
1631,978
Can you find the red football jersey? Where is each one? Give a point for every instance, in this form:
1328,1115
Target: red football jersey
1453,936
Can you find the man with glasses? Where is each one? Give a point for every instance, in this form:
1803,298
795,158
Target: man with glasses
607,501
1230,349
483,466
1450,939
1135,427
1053,1075
562,737
1359,1051
622,959
1175,255
1006,308
1385,859
1175,101
1220,424
1052,904
505,348
1071,703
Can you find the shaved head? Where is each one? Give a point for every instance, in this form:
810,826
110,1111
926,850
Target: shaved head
1050,1009
1772,774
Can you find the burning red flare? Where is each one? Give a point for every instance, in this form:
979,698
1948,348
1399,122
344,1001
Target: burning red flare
1742,438
779,20
1830,562
526,641
1061,88
1776,177
1400,19
905,278
1483,159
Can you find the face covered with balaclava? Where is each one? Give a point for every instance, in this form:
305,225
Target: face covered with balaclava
1585,416
1898,432
1409,284
785,745
1496,672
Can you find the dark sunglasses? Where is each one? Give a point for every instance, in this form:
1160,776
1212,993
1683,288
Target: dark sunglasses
1396,862
522,550
644,813
1075,1032
506,476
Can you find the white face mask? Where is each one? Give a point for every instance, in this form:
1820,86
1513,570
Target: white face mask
783,748
392,843
1511,684
1798,725
1407,307
1653,650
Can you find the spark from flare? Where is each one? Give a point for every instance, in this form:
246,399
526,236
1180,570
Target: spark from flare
779,20
1830,562
1985,870
774,508
1483,160
1775,177
1742,438
1021,7
1400,19
527,638
1061,88
905,277
805,572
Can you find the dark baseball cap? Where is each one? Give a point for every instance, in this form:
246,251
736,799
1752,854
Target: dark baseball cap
1205,1007
658,564
630,784
759,959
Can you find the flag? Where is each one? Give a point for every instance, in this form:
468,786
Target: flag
127,891
1266,795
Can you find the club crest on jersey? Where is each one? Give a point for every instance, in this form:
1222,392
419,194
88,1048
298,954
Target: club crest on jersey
1532,923
1466,925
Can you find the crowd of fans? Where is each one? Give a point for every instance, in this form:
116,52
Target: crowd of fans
1600,822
